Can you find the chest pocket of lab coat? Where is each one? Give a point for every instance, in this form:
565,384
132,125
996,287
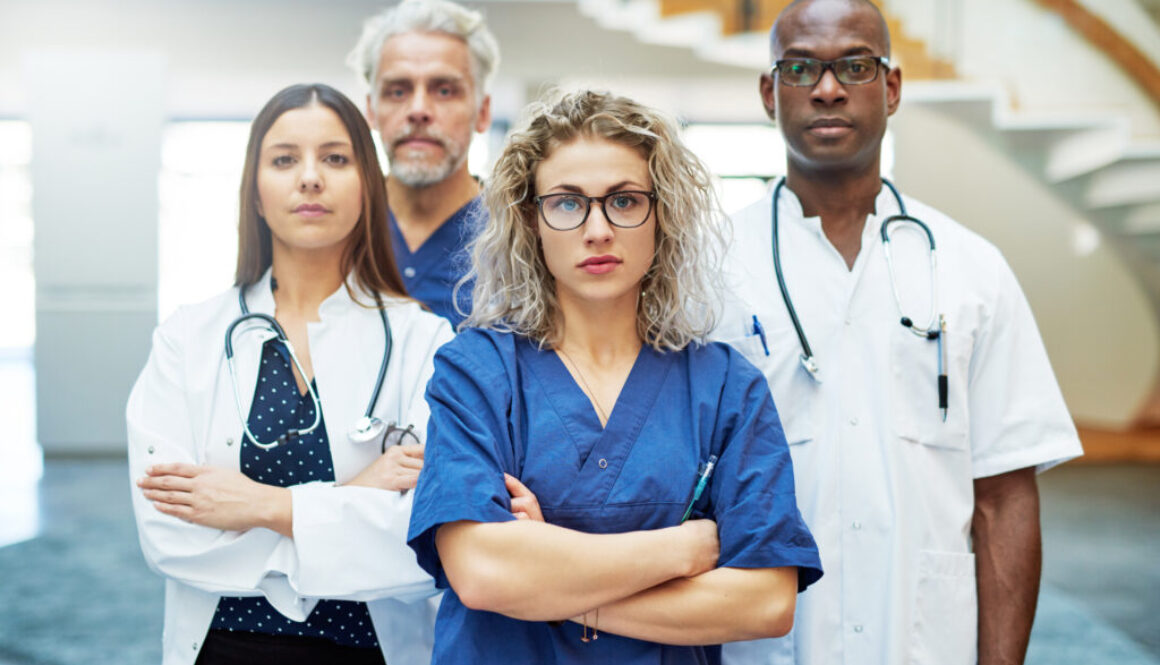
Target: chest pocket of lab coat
914,389
794,392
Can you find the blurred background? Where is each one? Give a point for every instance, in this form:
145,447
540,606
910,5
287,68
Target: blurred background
122,131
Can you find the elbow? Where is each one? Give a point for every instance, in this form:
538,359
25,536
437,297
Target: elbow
774,617
781,621
481,587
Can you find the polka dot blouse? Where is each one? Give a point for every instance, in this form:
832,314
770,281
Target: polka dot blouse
278,407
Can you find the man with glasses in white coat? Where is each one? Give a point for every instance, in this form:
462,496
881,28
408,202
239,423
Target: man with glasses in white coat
915,446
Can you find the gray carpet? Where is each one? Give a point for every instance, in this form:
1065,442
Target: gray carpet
80,593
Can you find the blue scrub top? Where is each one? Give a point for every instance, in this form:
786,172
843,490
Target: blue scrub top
499,404
431,272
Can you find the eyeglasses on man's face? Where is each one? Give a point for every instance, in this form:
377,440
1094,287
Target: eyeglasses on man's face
851,70
626,209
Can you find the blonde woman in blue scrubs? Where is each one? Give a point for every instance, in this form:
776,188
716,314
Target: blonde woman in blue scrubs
582,387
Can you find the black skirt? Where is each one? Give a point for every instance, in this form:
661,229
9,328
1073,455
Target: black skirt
224,647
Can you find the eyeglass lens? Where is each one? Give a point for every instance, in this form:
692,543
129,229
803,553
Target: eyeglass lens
568,211
854,70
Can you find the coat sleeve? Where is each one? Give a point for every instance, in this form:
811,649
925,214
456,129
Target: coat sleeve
352,541
160,430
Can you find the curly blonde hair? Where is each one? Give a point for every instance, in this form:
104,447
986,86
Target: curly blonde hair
514,291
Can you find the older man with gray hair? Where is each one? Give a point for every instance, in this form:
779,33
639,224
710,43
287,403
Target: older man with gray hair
428,65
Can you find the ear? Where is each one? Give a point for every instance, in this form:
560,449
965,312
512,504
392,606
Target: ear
767,86
483,117
893,90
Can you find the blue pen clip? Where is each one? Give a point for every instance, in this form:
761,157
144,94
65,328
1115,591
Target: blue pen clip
703,474
760,332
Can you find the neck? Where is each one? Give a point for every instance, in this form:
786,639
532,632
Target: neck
841,195
305,279
417,208
602,333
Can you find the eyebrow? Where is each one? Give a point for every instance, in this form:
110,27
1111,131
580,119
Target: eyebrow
808,53
295,146
618,187
410,80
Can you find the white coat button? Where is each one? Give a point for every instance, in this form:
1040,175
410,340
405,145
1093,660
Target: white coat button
229,442
195,646
603,463
854,422
857,526
858,628
150,450
409,271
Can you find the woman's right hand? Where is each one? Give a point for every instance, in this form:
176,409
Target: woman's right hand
700,545
397,469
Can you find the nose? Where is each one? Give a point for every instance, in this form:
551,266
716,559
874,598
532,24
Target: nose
419,111
828,90
311,178
597,229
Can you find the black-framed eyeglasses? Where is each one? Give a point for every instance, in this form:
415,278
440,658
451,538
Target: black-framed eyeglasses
851,70
626,209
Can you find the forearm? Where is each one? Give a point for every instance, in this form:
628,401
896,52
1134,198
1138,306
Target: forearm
1008,556
722,605
275,510
537,571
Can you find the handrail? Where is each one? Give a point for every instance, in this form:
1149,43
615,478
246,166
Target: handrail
1103,36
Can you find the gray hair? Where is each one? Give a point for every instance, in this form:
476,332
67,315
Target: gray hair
440,16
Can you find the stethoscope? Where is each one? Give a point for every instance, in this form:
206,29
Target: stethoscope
365,429
936,325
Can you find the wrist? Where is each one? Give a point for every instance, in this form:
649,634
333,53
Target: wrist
276,509
679,551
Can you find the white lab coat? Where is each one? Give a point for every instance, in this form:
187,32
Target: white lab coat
884,484
349,542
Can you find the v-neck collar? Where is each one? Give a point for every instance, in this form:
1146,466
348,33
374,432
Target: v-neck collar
600,452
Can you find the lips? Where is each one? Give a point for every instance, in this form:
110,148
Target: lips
829,122
418,140
311,209
598,265
830,128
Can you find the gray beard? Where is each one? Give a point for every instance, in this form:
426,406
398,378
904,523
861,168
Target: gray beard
421,175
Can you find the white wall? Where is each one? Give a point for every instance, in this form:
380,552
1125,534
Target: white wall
94,202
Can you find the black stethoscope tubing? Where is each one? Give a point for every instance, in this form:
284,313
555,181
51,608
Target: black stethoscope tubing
932,331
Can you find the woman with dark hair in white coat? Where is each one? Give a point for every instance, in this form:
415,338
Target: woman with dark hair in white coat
267,495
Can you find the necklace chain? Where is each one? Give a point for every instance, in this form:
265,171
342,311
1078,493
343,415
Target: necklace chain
584,382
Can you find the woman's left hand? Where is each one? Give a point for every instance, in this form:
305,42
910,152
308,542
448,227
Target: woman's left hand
216,497
525,506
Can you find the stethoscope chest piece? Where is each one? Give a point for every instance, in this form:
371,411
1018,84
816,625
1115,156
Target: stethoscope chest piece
367,429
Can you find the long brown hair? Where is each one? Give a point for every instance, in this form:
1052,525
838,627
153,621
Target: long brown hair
368,254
